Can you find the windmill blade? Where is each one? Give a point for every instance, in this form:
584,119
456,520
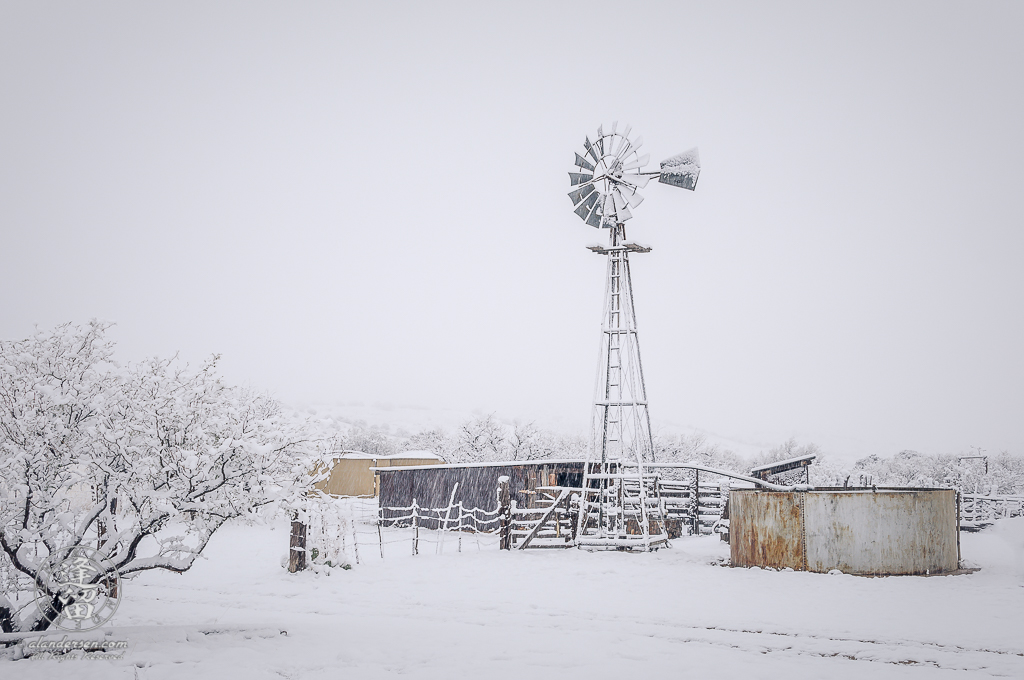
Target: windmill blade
578,178
586,206
578,195
631,195
600,140
624,214
624,146
583,163
635,199
625,189
594,218
618,200
609,216
590,149
681,170
640,162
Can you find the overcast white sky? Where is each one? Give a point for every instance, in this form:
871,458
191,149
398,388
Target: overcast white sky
367,203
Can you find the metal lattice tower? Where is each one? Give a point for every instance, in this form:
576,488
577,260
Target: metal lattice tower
620,507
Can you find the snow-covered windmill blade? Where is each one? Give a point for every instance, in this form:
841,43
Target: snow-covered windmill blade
583,164
681,170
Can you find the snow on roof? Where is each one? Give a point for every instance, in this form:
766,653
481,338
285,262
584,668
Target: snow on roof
501,463
783,463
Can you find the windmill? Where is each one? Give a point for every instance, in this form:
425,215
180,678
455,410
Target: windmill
620,508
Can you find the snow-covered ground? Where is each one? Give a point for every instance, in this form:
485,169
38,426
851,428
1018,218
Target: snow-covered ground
485,613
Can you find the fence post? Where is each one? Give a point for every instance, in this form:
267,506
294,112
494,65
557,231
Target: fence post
297,545
460,526
415,530
505,504
696,502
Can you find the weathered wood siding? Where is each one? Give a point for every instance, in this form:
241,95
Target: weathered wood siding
857,531
432,486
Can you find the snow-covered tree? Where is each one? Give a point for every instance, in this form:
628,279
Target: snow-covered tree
485,438
482,438
144,463
367,440
695,448
1002,473
436,440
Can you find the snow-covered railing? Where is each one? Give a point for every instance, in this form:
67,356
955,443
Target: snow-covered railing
724,473
980,510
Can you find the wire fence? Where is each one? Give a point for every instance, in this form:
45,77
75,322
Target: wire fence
345,531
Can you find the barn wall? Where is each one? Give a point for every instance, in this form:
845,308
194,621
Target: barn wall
432,487
349,477
855,531
355,476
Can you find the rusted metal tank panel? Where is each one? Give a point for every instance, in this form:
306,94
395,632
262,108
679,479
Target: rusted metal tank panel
857,531
764,529
883,532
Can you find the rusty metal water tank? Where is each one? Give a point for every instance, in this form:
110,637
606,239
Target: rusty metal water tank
888,531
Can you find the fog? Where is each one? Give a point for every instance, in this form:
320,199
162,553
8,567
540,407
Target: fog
366,204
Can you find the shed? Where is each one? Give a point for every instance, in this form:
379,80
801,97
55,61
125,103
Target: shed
352,472
431,486
780,466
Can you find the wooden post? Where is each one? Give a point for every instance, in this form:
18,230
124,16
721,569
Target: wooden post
574,513
505,512
415,530
959,558
297,546
696,502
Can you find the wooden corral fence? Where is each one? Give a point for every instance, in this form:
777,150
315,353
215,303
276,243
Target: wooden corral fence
692,507
978,511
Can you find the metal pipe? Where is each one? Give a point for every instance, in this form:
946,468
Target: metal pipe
724,473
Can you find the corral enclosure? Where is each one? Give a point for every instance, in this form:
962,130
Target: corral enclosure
432,486
857,531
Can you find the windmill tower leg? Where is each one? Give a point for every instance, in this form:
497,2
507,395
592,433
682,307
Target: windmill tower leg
619,508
